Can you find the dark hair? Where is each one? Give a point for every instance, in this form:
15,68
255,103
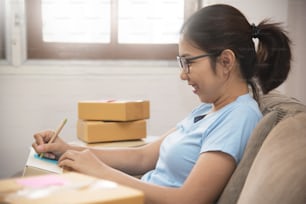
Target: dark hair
219,27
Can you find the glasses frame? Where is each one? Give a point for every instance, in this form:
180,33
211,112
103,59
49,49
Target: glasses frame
184,62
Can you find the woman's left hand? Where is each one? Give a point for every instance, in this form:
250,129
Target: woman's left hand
84,162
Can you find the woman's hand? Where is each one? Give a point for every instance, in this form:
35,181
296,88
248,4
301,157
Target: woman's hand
53,150
84,162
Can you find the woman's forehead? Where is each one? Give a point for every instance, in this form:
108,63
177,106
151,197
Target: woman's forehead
187,46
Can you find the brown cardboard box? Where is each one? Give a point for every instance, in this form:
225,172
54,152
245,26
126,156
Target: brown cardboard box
101,131
66,188
113,144
114,110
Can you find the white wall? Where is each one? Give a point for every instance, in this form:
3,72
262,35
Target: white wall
33,102
296,83
257,10
38,95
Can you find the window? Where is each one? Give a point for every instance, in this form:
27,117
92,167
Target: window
104,29
67,21
2,31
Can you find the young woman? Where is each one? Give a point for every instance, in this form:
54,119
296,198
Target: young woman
193,162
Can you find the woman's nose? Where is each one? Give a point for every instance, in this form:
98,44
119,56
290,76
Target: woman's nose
183,75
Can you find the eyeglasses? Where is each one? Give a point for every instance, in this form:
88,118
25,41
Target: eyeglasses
185,62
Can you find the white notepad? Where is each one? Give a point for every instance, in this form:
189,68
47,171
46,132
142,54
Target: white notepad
44,164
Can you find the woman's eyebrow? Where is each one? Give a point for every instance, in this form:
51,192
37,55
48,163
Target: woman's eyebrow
185,55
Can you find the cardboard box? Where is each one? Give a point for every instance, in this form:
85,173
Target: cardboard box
114,110
101,131
66,188
113,144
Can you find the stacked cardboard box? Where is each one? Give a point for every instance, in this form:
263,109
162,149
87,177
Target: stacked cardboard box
106,121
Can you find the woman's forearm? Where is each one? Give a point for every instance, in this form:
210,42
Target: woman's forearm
128,160
131,160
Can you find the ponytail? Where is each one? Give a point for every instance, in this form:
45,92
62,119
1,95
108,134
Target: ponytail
273,55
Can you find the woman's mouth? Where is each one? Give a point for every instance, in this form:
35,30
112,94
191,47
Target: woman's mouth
195,89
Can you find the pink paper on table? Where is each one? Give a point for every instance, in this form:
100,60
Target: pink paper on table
42,181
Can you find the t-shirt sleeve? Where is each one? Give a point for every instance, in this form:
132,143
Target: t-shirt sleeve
230,133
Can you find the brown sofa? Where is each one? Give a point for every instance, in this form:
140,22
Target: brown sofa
273,168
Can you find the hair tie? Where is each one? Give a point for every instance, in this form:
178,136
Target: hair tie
255,31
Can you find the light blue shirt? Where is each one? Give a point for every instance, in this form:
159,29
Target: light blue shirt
226,130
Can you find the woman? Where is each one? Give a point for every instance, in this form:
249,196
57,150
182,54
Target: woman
193,162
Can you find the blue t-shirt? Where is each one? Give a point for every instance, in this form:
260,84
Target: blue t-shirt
226,130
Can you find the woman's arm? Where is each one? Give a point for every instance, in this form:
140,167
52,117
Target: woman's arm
204,184
132,160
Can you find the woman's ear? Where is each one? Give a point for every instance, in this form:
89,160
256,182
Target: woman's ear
227,60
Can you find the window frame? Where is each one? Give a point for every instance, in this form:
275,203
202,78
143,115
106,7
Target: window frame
37,49
2,31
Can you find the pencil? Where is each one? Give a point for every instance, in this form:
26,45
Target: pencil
59,129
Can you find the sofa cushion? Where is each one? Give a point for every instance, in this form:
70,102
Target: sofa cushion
232,190
280,102
278,174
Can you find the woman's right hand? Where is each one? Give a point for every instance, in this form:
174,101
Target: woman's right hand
53,150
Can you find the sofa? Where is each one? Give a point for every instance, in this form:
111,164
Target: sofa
273,167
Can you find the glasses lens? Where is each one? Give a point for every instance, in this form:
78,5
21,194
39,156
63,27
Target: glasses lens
183,63
179,61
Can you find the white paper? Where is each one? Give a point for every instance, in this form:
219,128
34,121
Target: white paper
42,163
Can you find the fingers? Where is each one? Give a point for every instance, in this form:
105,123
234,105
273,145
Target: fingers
52,150
43,137
42,148
40,139
67,160
78,160
70,155
84,162
49,155
68,164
